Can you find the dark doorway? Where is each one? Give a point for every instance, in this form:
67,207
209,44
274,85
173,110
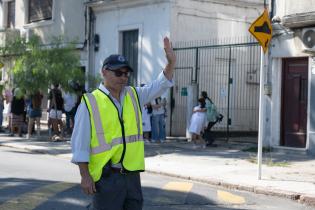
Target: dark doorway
294,102
130,51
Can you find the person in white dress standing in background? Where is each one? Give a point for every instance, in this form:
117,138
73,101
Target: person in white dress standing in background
146,122
198,121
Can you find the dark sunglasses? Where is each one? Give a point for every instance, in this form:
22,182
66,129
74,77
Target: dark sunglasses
120,73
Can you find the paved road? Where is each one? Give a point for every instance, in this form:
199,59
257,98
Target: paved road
44,182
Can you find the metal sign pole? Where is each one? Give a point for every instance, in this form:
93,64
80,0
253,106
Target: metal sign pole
261,29
261,113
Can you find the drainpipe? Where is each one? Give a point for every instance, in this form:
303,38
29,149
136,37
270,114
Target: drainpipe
269,70
89,31
87,40
272,7
268,86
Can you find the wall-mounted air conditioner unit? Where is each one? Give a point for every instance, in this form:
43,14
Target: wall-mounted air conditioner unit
308,39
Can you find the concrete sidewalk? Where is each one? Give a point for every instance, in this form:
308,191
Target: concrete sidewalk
284,174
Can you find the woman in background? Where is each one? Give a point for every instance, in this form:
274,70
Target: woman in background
198,121
17,111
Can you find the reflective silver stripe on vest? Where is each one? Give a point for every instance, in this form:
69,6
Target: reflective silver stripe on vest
134,138
98,126
135,106
117,141
128,139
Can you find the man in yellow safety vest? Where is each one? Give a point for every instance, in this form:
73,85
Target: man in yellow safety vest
107,141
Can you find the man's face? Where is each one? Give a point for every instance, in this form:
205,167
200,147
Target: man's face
116,79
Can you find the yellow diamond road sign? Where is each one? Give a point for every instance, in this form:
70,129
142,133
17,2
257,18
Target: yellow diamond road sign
261,29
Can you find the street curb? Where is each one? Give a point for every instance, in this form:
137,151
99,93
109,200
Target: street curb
300,198
304,199
37,149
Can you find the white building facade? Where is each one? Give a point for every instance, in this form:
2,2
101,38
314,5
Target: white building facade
136,29
45,18
289,122
151,20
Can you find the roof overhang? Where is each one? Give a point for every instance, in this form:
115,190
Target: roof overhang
101,5
299,20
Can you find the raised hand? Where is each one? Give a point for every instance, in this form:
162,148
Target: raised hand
170,55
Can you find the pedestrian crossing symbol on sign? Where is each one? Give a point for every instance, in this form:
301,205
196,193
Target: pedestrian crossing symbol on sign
261,29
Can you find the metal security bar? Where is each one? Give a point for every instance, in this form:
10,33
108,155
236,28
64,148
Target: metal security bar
230,75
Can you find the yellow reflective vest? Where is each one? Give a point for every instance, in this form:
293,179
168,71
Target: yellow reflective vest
114,138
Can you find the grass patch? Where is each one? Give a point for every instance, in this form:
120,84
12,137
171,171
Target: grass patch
269,162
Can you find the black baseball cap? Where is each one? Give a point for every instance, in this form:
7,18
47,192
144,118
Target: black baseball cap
114,62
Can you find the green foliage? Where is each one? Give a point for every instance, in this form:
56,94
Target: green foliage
38,66
13,47
269,162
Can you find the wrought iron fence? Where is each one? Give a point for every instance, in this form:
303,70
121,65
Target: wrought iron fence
229,71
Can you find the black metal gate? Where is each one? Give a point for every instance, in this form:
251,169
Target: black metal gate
230,75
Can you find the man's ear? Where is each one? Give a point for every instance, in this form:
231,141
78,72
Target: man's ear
103,72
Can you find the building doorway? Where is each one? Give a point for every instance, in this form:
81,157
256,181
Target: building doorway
294,102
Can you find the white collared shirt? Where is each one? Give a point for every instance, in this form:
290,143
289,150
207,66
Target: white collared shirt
81,136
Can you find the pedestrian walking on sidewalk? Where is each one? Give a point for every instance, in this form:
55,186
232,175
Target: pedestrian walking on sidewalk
213,116
198,122
107,142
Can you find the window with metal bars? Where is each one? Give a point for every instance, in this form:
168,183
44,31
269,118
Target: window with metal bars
11,14
39,10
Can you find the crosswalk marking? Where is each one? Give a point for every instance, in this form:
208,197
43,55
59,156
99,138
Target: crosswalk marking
36,197
167,196
178,186
230,198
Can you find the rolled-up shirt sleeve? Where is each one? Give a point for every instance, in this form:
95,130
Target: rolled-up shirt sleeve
154,89
80,139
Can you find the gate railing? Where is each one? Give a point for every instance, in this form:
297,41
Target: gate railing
230,75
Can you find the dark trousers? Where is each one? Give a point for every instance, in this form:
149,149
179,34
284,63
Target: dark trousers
208,137
210,125
70,116
116,191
